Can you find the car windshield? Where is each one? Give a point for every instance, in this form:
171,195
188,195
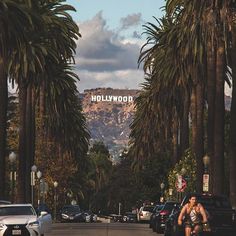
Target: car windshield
159,208
130,214
148,208
169,206
215,202
71,209
17,210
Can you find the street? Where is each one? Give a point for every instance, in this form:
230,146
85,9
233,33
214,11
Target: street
101,229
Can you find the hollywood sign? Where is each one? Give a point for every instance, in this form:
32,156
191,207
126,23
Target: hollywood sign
111,98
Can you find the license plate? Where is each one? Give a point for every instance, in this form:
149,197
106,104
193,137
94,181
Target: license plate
16,232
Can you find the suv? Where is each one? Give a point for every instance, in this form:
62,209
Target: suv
21,219
221,216
159,219
155,211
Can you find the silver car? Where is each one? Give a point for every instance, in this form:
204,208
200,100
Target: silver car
145,213
21,219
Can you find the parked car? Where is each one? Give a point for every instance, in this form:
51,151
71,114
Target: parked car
89,216
161,216
71,213
144,213
155,211
129,217
221,216
116,218
21,219
3,202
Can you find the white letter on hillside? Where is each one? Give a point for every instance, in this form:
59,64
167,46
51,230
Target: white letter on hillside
93,98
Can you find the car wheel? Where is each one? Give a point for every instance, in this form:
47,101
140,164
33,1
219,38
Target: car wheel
154,227
166,233
159,230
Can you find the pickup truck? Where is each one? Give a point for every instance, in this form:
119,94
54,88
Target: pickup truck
221,216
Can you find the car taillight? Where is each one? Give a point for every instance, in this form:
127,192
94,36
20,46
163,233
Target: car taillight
164,212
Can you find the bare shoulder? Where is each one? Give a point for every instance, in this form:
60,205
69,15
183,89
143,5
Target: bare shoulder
185,206
199,205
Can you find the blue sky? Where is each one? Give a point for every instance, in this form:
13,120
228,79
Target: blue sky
111,31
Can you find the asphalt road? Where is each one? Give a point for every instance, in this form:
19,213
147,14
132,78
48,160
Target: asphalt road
101,229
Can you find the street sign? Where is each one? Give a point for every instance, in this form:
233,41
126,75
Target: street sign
205,181
180,184
43,186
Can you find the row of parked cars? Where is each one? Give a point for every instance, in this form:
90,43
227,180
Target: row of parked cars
221,216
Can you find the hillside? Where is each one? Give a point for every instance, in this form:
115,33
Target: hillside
109,113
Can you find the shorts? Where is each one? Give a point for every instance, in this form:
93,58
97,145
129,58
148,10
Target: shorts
190,224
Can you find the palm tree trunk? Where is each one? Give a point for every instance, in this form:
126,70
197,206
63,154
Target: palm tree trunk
184,125
197,108
22,145
218,164
194,118
33,122
175,128
42,102
3,125
211,75
200,134
29,142
232,137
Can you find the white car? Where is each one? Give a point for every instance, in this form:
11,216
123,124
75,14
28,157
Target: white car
145,213
21,219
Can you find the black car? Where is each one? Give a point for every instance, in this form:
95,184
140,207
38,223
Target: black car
155,211
221,216
71,213
89,216
129,217
160,218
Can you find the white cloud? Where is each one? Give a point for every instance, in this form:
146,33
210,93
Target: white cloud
104,58
131,20
122,79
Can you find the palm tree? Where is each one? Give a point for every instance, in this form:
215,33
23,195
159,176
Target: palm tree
14,18
51,44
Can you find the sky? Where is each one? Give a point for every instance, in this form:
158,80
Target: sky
107,53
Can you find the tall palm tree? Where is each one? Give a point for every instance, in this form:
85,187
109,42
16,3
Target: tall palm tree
51,43
204,18
14,18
